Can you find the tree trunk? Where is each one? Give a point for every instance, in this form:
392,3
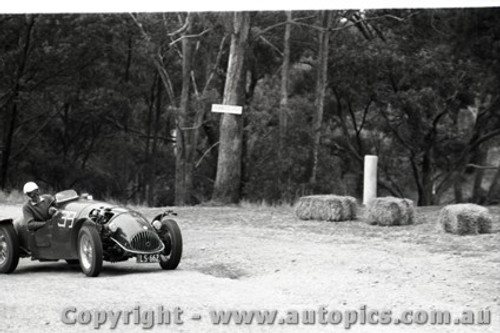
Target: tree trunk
427,197
228,178
154,147
478,194
326,18
285,69
457,189
185,144
283,111
143,185
417,178
7,146
490,196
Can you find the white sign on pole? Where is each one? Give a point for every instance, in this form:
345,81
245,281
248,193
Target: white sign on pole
234,109
370,179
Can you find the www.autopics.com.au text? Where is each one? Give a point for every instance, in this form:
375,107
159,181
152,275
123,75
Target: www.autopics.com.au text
323,316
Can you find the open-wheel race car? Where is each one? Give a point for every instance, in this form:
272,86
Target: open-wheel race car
88,232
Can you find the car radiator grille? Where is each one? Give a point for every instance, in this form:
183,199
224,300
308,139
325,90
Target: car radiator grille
146,241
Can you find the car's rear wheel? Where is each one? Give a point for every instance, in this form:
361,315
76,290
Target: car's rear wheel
9,249
90,250
172,238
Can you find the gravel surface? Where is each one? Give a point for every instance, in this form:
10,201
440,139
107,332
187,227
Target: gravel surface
264,258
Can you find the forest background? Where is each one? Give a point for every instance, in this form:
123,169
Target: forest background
119,105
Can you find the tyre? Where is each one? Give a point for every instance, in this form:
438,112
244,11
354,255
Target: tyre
172,238
90,250
9,248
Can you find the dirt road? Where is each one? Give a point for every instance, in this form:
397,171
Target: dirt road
261,258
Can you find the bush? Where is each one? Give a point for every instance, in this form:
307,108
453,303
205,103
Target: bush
465,219
326,208
13,197
388,211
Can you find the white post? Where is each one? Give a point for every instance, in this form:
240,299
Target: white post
370,179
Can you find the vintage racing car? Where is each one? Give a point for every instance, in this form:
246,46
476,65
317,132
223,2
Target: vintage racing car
88,232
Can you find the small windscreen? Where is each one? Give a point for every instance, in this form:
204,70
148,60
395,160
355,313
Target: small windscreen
65,196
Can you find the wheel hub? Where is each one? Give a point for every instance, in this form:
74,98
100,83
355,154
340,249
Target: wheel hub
86,253
3,249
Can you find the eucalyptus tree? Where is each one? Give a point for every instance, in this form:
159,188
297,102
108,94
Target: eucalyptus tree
416,82
186,50
227,181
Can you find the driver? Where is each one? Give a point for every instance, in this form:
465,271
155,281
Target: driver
39,208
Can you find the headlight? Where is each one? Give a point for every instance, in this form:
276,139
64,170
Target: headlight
112,227
157,224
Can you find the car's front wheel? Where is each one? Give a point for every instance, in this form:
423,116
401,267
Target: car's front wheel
172,238
9,248
90,250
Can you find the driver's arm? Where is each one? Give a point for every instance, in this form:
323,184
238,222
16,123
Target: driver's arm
53,211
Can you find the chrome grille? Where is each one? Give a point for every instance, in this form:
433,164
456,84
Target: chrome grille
146,241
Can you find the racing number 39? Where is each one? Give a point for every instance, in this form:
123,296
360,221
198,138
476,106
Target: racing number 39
67,219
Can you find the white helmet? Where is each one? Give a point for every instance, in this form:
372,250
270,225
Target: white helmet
29,187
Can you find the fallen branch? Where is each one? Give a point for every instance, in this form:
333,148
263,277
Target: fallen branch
205,154
484,167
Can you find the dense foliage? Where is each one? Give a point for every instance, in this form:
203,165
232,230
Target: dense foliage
96,102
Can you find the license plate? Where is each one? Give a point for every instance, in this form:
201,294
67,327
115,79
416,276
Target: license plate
148,258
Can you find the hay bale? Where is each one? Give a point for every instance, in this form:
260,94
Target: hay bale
326,208
465,219
388,211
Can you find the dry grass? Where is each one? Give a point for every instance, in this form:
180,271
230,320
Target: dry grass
466,219
388,211
326,208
